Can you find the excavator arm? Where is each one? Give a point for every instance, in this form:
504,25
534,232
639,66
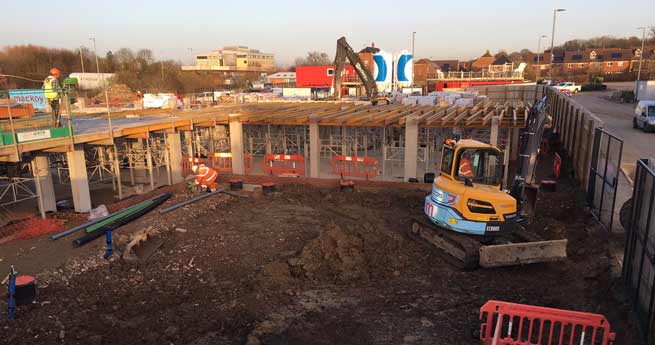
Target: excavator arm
523,188
345,51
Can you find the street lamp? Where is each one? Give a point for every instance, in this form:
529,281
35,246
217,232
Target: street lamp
413,58
641,59
538,53
552,43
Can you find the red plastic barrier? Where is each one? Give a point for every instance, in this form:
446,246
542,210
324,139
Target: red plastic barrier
222,162
557,165
275,164
355,166
516,324
188,162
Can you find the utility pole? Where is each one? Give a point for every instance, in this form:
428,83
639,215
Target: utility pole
641,59
104,86
552,44
539,53
413,58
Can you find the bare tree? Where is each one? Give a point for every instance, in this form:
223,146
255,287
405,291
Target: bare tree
314,59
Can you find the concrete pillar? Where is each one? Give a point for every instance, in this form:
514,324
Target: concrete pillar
495,124
188,139
149,165
79,179
212,145
113,155
45,187
175,156
236,144
314,149
411,147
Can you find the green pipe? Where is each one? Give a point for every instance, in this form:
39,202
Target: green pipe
128,211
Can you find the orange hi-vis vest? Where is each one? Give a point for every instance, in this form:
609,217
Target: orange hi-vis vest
465,168
205,175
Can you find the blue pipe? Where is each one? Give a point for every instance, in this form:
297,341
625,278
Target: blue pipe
110,246
12,294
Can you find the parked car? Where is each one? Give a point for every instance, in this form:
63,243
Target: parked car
644,117
568,86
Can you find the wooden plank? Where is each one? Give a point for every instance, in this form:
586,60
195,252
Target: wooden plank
487,118
471,118
62,149
101,142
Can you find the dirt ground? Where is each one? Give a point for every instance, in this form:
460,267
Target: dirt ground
308,265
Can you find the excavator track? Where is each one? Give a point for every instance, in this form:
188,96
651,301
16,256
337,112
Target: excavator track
459,250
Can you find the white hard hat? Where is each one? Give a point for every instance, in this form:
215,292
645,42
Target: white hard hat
194,168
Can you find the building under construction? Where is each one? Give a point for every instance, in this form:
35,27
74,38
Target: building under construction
294,256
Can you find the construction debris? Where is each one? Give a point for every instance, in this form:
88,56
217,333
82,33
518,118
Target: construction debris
142,244
120,219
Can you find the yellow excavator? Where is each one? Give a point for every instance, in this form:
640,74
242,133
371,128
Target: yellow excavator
346,52
471,219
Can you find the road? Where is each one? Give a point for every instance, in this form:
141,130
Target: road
617,119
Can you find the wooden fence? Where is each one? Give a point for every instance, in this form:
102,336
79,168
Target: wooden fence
576,127
527,94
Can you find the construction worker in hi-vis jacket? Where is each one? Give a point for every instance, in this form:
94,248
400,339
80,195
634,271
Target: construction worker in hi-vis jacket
51,91
205,177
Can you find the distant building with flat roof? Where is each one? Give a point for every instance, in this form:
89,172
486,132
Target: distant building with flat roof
234,58
232,65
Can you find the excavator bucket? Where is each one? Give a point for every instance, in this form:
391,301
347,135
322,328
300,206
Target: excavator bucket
512,254
530,194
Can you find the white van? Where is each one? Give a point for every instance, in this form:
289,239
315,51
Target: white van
644,116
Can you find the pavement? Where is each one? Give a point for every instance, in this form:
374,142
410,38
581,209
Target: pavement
617,119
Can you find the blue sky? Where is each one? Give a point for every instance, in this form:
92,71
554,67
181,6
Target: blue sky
445,29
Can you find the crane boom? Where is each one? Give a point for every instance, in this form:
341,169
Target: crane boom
345,51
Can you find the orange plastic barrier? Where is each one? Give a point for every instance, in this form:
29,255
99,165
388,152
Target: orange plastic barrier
219,161
275,164
557,165
355,166
188,162
512,324
222,162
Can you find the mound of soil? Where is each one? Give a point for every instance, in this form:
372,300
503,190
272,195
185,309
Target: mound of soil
118,94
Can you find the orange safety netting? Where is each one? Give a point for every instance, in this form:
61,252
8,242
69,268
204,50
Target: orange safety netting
35,227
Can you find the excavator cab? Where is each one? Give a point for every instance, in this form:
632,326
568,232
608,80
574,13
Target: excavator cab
477,163
467,196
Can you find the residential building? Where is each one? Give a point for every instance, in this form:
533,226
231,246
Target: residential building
447,65
234,58
482,62
602,61
423,70
366,56
501,64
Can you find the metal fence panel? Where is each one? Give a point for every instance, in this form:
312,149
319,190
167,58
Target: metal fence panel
639,263
604,176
